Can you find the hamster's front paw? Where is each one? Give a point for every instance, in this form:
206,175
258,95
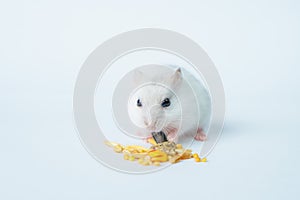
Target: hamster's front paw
200,136
172,136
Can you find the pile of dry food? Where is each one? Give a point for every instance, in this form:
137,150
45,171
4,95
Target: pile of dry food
156,154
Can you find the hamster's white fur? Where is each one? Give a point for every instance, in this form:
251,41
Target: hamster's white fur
189,110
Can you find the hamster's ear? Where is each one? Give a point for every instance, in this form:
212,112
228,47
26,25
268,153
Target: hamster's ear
176,77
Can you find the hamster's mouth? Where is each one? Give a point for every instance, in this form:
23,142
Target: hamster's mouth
156,126
153,129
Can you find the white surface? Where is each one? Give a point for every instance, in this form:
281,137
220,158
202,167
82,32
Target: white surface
254,44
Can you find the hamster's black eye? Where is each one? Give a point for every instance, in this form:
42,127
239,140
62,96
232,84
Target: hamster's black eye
166,102
139,103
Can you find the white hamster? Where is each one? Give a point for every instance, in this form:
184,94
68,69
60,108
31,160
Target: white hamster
177,104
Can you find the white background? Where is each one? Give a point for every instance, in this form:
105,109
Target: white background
255,46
